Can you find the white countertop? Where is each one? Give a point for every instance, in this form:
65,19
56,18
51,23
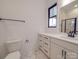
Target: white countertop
63,37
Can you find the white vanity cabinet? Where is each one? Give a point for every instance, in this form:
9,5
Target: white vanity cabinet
57,48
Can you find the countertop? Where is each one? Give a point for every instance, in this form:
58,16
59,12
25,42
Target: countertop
63,37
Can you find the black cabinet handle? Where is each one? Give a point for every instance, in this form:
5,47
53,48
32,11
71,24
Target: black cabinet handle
40,40
46,43
46,37
27,41
65,54
62,53
40,46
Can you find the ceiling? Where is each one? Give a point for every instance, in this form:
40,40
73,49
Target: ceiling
70,6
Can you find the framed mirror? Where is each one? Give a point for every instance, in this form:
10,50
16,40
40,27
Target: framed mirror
68,25
68,17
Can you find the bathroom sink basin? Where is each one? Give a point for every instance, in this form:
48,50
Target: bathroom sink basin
65,36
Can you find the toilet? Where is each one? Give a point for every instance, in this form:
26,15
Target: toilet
13,48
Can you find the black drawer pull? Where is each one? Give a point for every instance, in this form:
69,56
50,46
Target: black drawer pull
65,54
45,37
40,46
46,43
40,40
62,53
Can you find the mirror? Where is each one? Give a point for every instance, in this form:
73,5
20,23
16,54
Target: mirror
68,18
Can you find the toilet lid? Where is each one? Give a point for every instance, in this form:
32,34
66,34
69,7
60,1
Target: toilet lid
13,55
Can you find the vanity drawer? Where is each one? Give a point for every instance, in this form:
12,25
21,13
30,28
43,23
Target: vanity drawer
41,47
41,44
46,51
47,45
46,39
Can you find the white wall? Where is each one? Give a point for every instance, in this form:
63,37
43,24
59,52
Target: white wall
32,11
2,40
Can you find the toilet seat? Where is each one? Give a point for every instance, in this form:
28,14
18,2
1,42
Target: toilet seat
13,55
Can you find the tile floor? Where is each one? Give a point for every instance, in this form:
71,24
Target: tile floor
38,55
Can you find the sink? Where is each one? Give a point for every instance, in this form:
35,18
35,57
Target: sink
72,38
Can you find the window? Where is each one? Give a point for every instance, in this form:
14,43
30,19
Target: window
52,16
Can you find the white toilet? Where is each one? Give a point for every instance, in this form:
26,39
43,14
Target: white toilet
13,48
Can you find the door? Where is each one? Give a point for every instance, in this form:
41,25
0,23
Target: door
71,55
56,52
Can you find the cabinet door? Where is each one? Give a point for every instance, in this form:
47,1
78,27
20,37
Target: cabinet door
56,52
71,55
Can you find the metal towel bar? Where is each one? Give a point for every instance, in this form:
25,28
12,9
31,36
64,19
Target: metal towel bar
12,20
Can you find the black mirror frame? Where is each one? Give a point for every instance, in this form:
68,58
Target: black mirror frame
75,20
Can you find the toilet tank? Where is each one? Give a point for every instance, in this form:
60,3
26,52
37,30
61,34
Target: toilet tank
13,45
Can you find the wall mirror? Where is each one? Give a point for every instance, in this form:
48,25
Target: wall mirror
68,17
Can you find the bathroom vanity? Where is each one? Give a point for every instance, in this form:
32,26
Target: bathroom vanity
58,46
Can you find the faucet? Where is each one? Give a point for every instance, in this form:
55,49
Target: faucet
71,34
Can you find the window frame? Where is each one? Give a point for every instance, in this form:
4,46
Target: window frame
52,16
